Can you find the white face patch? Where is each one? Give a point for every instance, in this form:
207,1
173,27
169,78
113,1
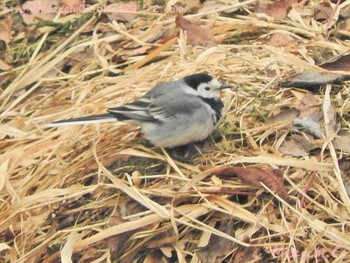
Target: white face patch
209,90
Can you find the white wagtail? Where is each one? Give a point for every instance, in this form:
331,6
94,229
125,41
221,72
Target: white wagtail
171,114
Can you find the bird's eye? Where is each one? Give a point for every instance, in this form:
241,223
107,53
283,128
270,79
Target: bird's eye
207,88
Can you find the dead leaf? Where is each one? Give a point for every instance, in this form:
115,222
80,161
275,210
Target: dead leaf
309,100
155,257
272,178
297,146
285,115
125,12
247,254
4,66
280,8
116,243
196,34
42,9
310,106
344,164
340,63
5,29
323,11
342,141
344,24
310,79
281,40
218,247
71,6
72,3
345,12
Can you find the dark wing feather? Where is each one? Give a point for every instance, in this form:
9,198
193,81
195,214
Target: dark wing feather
135,111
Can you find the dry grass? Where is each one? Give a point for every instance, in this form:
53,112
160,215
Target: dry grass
96,192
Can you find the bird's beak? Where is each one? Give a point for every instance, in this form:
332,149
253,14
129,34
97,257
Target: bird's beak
225,86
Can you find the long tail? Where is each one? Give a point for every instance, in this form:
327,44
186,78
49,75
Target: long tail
107,117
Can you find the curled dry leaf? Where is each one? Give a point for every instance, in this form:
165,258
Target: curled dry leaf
323,11
5,29
340,63
344,25
283,116
4,66
218,246
72,3
345,12
310,106
115,243
272,178
280,9
121,11
42,9
298,146
71,6
344,164
310,79
247,254
342,141
196,34
282,40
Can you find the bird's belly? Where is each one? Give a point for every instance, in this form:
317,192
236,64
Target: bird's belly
174,133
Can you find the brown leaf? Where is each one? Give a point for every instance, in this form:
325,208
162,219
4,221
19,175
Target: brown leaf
310,106
280,8
342,141
272,178
296,146
218,246
197,35
121,11
310,79
344,24
154,257
281,40
71,6
116,243
340,63
345,11
42,9
4,66
71,3
344,164
5,29
323,11
247,254
309,100
285,115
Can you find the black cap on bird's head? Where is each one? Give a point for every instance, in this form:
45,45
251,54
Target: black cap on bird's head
194,80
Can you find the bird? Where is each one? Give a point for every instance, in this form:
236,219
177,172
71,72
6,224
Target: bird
171,114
